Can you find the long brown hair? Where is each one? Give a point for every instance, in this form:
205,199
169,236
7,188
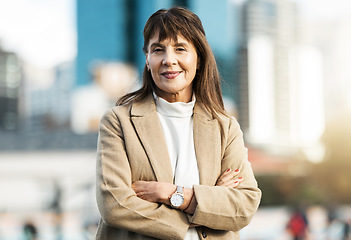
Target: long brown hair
169,24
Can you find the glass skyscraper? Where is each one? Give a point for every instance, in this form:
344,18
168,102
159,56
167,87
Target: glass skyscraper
111,30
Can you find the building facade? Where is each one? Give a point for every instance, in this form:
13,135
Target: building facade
111,31
268,36
281,102
10,90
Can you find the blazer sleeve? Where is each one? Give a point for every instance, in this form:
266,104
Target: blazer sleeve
117,202
225,208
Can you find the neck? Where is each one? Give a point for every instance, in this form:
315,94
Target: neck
175,97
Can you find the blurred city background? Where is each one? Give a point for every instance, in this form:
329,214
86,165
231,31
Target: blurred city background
286,66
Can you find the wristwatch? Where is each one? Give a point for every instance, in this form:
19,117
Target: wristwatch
177,198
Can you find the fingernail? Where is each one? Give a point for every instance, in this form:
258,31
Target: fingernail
240,178
236,182
228,170
237,170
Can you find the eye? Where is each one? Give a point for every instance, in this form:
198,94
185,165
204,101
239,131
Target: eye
180,49
157,49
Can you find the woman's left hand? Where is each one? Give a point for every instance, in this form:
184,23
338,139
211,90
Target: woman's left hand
229,178
154,191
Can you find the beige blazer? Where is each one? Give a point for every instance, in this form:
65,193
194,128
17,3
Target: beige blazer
131,147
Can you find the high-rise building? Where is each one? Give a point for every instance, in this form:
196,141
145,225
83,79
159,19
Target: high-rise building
221,21
268,35
111,31
10,90
274,107
48,97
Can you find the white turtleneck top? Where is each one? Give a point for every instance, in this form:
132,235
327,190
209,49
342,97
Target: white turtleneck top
177,123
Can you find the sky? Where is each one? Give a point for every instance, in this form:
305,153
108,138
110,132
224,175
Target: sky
324,9
43,33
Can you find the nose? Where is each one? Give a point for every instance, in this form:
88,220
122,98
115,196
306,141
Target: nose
169,58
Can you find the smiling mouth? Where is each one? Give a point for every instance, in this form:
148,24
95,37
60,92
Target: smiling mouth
171,74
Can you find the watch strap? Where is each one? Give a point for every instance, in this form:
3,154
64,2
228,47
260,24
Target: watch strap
179,189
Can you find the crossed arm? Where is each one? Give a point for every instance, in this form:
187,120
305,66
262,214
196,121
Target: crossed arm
159,192
120,200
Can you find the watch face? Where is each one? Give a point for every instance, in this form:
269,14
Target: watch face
177,200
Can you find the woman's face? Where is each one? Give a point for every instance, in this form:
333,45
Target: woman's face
173,67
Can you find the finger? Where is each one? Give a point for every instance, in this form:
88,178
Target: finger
227,176
140,192
138,188
234,182
139,185
135,185
145,195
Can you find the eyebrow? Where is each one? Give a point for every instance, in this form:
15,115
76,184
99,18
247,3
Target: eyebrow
153,45
178,44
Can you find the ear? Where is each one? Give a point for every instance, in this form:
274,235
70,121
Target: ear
147,64
146,59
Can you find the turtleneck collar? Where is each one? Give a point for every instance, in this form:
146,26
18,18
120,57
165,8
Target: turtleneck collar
176,109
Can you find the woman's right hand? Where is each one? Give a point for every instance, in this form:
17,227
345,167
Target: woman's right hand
229,178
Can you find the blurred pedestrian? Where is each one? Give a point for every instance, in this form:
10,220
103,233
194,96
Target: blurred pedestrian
338,227
30,231
171,163
347,230
297,225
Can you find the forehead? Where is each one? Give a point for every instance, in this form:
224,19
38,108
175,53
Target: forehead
178,39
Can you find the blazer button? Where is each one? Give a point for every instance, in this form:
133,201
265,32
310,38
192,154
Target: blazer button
204,234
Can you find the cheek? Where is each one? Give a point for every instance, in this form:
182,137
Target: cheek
192,63
154,76
154,64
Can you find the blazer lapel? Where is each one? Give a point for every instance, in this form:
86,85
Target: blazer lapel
150,132
207,145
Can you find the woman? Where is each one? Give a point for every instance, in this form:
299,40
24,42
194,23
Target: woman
171,163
